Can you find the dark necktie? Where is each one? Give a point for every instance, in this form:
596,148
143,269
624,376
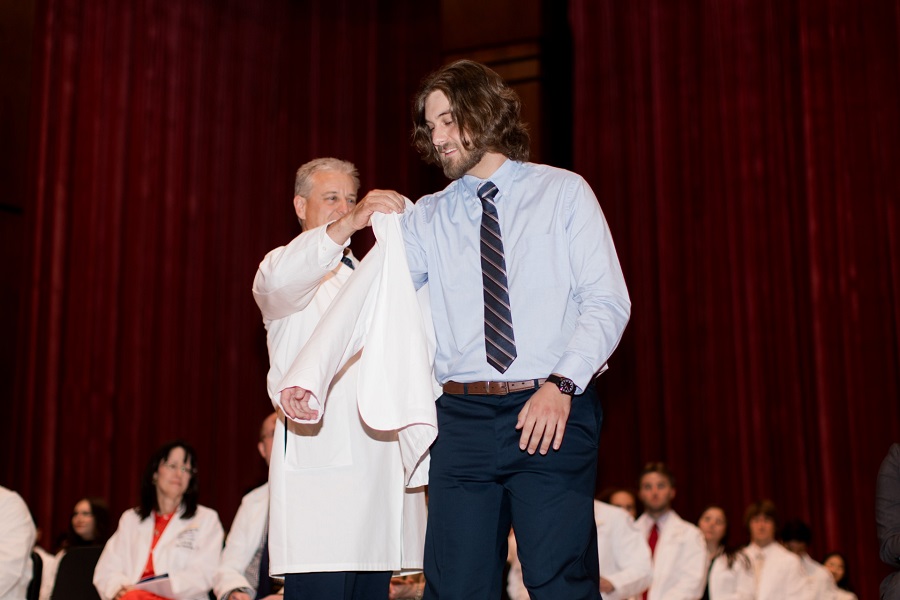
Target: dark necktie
499,341
346,260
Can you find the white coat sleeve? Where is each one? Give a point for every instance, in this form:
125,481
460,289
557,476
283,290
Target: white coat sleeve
112,571
195,577
732,583
798,586
632,557
692,565
288,277
16,540
243,540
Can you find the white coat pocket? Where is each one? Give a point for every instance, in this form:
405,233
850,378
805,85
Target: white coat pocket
322,444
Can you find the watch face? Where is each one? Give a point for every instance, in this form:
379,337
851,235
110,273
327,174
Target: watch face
566,386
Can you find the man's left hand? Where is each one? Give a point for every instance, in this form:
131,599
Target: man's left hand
543,419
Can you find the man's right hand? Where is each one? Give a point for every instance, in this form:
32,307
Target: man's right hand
295,402
239,596
360,216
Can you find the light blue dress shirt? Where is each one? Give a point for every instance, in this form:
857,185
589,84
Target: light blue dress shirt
568,297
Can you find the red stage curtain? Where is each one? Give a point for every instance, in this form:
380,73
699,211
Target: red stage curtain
745,154
166,136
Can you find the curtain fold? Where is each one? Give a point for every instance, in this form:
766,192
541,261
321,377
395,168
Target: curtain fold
167,134
744,154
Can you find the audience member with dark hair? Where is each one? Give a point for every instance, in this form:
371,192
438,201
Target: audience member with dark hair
89,525
796,537
677,547
729,574
777,571
621,497
837,566
169,533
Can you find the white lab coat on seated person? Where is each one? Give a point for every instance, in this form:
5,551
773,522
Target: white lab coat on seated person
624,554
733,582
188,551
338,500
49,565
679,562
820,579
781,576
244,539
17,534
622,549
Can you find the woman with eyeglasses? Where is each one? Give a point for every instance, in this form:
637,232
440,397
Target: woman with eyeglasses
169,536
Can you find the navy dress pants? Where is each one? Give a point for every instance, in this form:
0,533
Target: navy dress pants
341,585
480,483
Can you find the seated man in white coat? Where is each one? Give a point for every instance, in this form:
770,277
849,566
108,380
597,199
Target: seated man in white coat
796,537
777,571
677,547
243,572
341,520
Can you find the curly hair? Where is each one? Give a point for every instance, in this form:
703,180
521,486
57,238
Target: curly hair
485,109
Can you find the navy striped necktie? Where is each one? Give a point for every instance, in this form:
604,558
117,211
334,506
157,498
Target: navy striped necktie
346,260
499,341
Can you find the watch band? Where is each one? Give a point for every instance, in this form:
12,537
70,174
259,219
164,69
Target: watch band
565,385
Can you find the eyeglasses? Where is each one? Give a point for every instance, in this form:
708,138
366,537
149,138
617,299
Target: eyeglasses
183,468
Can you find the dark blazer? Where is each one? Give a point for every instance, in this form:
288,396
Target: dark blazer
887,517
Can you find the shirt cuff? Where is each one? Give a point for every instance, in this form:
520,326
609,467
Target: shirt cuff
330,252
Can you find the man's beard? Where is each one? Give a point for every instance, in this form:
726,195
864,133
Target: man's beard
467,160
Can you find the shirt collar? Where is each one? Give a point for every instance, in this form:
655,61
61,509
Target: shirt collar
662,520
503,178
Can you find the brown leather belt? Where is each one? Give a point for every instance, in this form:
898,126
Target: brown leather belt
492,388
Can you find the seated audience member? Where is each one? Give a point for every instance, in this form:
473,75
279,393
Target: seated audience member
624,556
243,572
621,497
409,587
887,519
17,534
169,533
837,566
729,573
677,547
777,571
515,585
796,537
89,525
625,564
